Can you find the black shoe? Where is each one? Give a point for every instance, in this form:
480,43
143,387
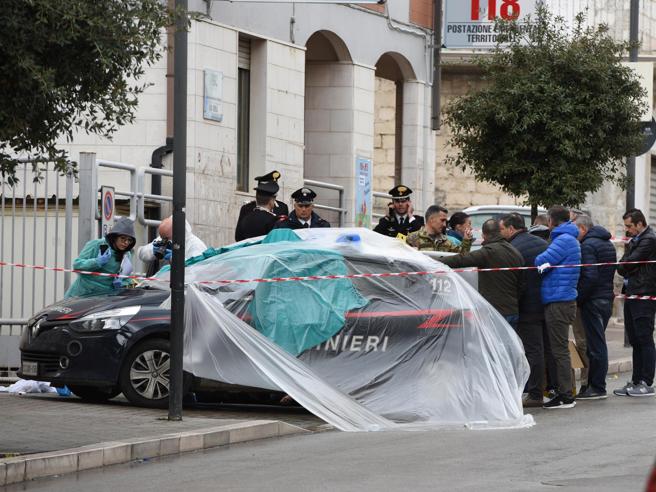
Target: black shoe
591,394
560,401
583,389
532,402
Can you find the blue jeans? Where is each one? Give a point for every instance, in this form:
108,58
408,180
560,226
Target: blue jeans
513,320
595,314
639,324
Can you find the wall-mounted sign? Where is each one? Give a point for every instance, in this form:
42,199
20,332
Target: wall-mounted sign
363,174
213,95
470,23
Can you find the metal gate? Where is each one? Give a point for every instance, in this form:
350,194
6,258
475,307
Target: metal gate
36,227
46,223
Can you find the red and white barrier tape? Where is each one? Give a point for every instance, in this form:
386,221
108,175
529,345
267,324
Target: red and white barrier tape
320,277
636,298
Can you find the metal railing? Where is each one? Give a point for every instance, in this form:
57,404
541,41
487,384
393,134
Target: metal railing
387,196
136,195
379,194
341,209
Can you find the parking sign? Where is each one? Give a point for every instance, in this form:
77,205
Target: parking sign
107,204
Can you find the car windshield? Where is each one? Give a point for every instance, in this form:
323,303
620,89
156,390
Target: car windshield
479,218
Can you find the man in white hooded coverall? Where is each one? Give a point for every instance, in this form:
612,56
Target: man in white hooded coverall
193,245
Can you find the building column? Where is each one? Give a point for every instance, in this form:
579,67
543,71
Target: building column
339,125
418,153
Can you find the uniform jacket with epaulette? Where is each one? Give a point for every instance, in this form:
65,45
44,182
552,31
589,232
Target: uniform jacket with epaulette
292,222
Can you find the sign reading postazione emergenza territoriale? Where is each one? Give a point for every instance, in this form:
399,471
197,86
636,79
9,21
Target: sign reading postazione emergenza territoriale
470,23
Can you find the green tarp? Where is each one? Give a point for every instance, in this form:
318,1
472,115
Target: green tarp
296,315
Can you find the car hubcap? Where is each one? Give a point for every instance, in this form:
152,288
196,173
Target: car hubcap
149,374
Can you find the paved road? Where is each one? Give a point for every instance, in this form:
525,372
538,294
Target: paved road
599,446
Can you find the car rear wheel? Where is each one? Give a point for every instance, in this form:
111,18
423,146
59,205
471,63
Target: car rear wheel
93,394
144,377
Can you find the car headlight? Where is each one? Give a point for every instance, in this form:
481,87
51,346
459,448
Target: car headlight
112,319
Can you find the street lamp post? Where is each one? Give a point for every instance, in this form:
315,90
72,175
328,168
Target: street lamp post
631,161
633,56
437,61
179,198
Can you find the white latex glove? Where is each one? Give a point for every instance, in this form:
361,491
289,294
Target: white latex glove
543,267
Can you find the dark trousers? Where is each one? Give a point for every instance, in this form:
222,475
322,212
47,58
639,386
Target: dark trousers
549,362
558,316
512,320
531,332
595,314
639,325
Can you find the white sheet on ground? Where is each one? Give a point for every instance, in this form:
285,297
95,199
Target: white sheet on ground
23,386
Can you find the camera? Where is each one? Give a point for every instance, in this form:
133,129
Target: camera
160,247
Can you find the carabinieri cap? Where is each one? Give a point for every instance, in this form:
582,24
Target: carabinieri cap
272,176
400,191
304,195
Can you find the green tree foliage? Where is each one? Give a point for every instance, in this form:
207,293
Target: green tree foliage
69,65
557,116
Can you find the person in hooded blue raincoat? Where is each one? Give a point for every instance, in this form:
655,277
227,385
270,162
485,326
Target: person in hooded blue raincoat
111,254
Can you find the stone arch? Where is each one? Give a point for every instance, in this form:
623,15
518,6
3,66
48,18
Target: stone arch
394,66
329,117
393,70
326,46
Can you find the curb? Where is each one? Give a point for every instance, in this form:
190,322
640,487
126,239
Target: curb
615,367
619,366
29,467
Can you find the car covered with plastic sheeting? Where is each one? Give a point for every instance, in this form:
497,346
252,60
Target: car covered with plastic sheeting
346,303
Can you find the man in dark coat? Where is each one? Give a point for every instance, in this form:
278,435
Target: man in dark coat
399,220
303,215
639,279
595,301
279,208
262,219
501,289
531,312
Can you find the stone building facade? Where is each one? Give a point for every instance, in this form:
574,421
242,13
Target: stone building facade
298,94
327,84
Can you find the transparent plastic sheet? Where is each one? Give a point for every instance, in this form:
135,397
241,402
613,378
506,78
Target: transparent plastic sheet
425,350
265,364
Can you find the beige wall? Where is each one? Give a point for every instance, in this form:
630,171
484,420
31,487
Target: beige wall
454,188
384,134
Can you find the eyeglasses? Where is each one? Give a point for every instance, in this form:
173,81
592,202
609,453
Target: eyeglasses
124,239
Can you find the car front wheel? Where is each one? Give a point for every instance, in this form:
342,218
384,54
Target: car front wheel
144,377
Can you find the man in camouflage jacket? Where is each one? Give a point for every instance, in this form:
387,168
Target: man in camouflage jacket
431,236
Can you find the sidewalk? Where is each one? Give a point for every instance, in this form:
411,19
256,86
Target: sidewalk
44,435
